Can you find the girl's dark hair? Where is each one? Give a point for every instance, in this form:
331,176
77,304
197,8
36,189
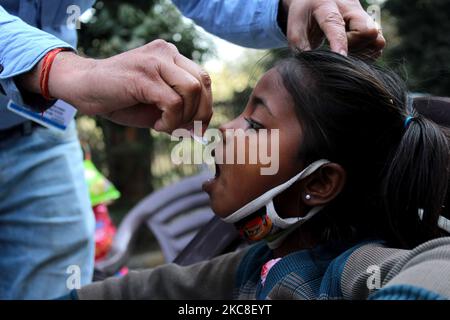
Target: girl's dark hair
356,114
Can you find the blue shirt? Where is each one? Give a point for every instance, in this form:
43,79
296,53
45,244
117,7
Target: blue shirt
31,28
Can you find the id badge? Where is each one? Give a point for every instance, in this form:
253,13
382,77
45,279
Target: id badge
56,117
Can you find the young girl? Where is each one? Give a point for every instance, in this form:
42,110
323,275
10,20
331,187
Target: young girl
351,213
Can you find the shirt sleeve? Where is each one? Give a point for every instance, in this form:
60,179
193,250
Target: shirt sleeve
21,48
249,23
213,279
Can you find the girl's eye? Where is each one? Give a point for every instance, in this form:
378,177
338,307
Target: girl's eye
252,124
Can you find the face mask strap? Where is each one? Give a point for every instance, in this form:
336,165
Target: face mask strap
286,223
289,224
265,198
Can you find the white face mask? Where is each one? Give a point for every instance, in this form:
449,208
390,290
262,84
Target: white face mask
270,225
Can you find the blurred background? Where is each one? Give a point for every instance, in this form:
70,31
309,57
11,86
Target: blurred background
137,161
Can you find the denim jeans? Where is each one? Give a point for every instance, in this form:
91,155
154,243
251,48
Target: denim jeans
46,220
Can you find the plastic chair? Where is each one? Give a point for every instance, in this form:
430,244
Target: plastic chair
214,239
174,215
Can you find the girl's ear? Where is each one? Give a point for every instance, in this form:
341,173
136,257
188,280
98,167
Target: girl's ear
323,185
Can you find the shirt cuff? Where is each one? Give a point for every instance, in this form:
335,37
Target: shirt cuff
266,32
249,23
277,35
9,86
21,48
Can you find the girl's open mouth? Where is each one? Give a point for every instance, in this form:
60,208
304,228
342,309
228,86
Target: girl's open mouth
217,171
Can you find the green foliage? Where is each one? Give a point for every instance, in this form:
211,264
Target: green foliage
119,26
423,30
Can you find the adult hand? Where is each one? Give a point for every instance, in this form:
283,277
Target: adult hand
345,24
151,86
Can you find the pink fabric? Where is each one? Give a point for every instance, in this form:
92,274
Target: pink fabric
266,268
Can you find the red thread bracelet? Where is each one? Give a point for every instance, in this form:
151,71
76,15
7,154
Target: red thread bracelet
45,71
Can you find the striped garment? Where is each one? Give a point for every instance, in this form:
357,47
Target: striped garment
366,270
306,274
